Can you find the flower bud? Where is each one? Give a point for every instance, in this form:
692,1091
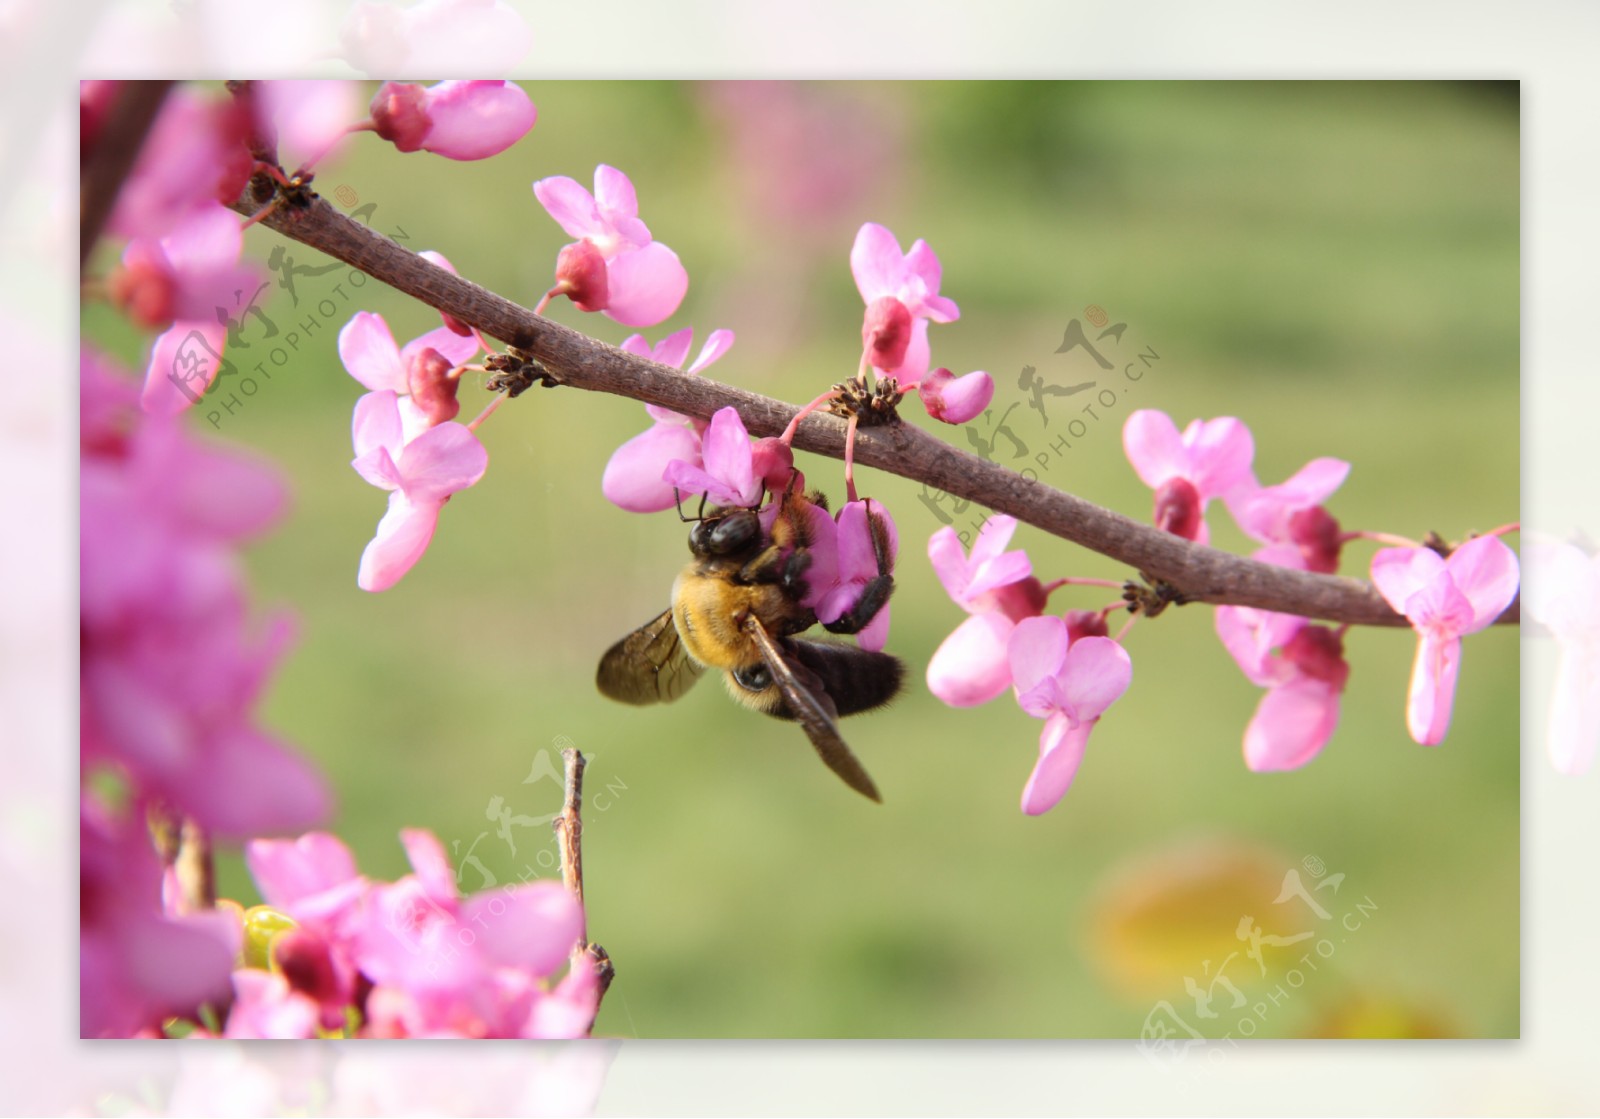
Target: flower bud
1318,652
1316,531
433,390
1086,623
772,460
302,957
581,276
400,115
886,332
1178,509
1025,598
955,400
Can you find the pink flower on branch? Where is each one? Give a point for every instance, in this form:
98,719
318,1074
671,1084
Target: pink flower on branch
901,291
1207,460
855,567
420,473
955,400
644,282
727,473
1069,684
417,373
457,119
998,589
1444,600
1291,512
634,477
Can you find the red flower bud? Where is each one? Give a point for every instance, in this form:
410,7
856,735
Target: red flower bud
772,460
432,388
1316,531
1178,508
1022,599
886,332
400,115
581,276
1085,623
302,957
143,291
1318,652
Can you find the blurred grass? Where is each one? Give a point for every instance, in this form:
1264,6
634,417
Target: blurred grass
1337,264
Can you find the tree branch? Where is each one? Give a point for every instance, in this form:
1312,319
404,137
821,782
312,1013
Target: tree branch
1199,574
569,838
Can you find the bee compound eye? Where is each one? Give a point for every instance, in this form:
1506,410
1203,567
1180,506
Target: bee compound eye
735,532
754,678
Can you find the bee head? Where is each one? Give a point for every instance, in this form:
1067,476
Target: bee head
725,534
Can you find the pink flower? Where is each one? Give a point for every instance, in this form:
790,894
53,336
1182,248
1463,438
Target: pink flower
1209,459
727,476
192,279
855,568
309,118
645,282
456,119
415,373
433,36
1291,512
1069,684
634,477
1563,595
1444,599
997,588
421,475
195,155
883,272
1300,711
265,1006
955,400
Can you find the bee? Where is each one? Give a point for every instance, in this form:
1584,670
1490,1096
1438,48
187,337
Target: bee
737,608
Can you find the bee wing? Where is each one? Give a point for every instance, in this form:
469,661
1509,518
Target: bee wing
650,665
807,699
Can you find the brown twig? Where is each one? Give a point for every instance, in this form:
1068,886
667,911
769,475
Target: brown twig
569,838
1194,573
109,161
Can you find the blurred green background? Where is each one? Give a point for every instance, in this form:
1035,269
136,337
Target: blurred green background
1336,264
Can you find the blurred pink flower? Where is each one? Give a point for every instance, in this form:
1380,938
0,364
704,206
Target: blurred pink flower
727,472
998,589
194,155
881,271
1562,593
309,118
645,282
455,119
434,36
421,474
1208,460
266,1007
634,477
1444,600
955,400
1069,684
855,567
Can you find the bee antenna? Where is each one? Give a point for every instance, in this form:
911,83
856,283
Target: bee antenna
677,502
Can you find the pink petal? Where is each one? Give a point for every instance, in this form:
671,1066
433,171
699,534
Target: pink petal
725,449
1036,651
1433,688
1220,454
477,119
531,927
208,240
875,634
1439,607
1251,636
949,561
971,666
247,784
265,1007
375,424
442,460
309,117
1574,731
633,478
572,206
923,272
718,342
1153,446
1399,573
962,398
1061,747
457,349
1313,483
915,363
288,870
1096,672
403,535
1485,570
1291,725
430,863
647,285
876,262
992,538
369,354
674,348
614,193
183,363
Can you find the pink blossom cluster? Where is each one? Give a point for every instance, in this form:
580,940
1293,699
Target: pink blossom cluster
1299,663
1062,669
172,665
410,958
